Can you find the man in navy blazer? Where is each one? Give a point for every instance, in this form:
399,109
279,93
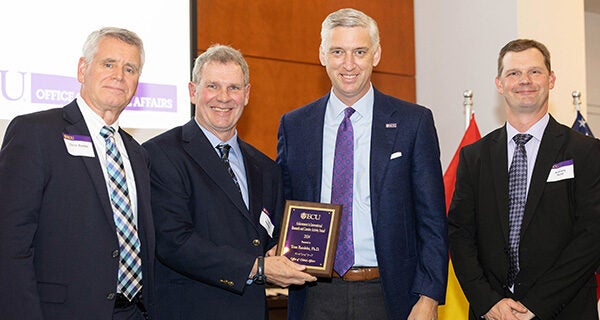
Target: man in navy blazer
59,248
399,225
217,204
557,237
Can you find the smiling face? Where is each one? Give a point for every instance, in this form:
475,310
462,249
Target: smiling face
525,83
220,97
110,80
349,58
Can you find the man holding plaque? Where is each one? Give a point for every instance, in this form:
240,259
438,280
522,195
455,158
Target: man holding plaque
379,157
217,204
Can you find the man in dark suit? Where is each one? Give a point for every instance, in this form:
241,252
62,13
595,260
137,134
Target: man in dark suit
397,236
217,204
73,244
525,216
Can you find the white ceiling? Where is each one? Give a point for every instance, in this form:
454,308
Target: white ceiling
592,6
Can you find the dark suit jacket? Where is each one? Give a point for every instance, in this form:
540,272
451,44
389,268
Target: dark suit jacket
407,195
58,243
560,233
207,240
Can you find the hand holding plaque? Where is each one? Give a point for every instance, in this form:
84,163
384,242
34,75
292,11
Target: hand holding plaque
309,235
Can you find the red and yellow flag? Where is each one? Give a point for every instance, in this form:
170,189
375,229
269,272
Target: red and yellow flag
456,306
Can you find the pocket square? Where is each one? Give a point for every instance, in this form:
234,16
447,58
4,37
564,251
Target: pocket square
395,155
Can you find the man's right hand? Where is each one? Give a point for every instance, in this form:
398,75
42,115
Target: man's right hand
283,272
507,309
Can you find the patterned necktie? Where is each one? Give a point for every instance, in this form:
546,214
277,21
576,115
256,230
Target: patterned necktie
517,193
341,191
130,272
224,152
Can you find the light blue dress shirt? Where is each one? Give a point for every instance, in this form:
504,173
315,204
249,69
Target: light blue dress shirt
531,147
236,159
362,119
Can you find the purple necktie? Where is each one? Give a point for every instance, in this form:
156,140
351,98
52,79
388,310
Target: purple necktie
341,191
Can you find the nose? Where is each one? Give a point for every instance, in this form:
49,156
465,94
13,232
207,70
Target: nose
117,74
525,78
349,62
223,95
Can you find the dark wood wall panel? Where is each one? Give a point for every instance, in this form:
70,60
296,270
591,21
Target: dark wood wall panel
280,40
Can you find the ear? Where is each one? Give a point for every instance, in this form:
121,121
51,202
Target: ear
192,90
81,67
247,98
499,86
551,80
377,56
322,57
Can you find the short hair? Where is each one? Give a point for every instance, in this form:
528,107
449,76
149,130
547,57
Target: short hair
223,54
519,45
348,17
90,47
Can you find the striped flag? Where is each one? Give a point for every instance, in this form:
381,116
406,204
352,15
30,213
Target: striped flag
457,306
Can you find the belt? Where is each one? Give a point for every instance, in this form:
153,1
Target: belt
359,274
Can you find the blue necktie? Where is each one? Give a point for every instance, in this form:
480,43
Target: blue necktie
341,191
130,272
517,193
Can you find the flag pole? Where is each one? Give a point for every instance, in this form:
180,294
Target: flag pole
468,103
577,100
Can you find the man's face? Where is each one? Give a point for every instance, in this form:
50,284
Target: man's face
349,58
110,80
220,97
525,82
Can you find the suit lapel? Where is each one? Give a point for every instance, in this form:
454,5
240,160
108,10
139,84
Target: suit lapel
77,126
313,148
198,147
552,141
383,134
255,184
498,157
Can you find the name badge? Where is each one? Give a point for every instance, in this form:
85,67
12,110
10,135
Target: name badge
561,171
265,221
79,146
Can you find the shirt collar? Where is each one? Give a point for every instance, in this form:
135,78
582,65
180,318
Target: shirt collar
215,141
362,107
93,121
536,130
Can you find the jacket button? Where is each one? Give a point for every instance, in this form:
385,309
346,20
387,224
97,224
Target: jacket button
256,242
111,296
115,253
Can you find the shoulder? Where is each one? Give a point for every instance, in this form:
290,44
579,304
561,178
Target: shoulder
309,108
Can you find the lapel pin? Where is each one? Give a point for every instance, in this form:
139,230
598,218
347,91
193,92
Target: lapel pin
390,125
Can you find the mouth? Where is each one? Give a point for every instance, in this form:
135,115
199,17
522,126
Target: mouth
349,76
221,109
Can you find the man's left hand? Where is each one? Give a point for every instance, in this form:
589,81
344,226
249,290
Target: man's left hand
424,309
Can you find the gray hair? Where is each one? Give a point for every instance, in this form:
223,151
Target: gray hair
348,17
223,54
90,47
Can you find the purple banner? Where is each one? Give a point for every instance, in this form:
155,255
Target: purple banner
60,90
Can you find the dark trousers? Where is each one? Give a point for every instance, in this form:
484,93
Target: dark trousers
345,300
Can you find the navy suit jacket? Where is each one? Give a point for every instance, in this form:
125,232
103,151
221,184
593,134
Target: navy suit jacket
58,244
560,233
207,240
407,195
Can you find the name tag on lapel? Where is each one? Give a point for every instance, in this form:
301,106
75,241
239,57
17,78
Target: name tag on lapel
265,221
79,146
561,171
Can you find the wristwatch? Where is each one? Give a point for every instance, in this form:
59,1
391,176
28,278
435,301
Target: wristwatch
260,277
